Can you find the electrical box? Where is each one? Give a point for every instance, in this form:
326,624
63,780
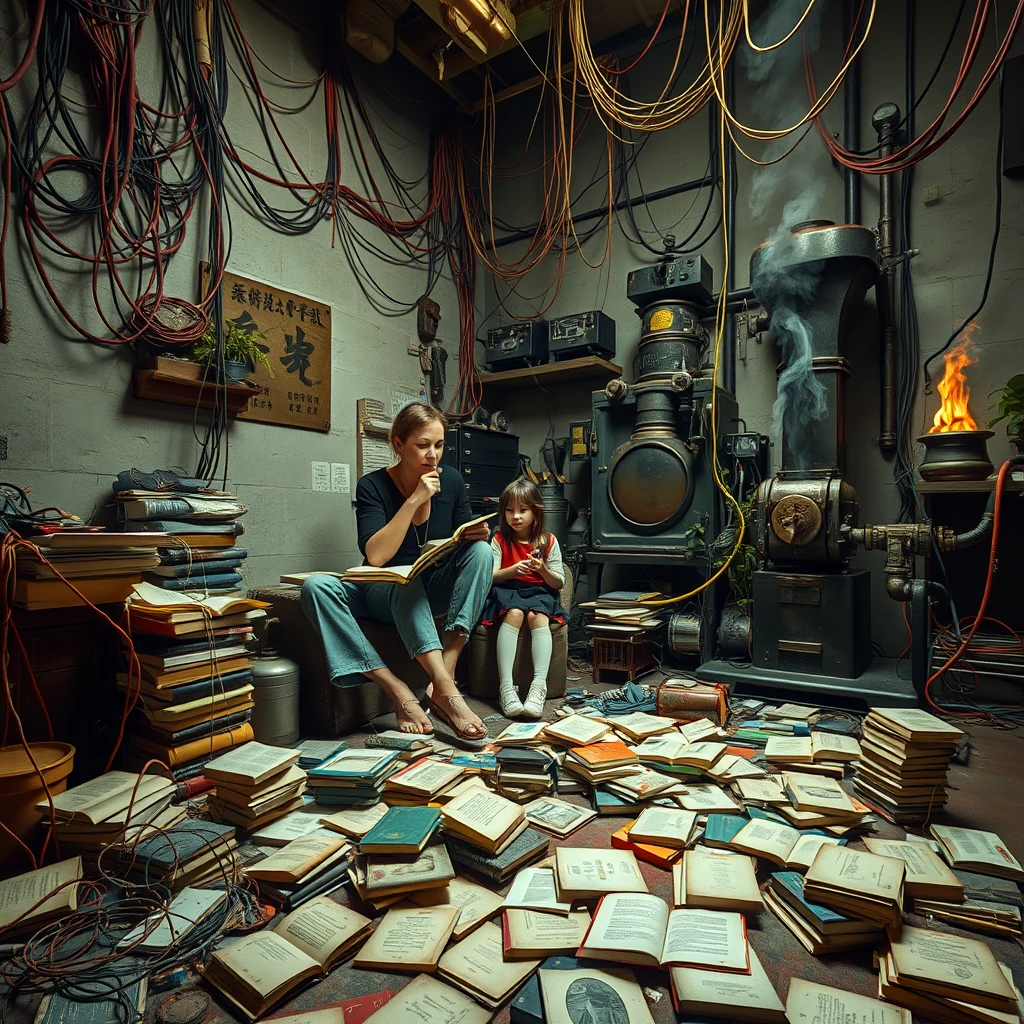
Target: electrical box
582,334
687,278
579,441
516,345
752,450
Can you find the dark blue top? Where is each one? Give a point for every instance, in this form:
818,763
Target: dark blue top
378,501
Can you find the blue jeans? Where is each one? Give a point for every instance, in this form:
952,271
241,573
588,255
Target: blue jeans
457,587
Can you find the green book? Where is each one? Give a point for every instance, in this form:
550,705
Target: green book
401,830
722,829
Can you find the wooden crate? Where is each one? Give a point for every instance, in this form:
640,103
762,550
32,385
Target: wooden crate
622,656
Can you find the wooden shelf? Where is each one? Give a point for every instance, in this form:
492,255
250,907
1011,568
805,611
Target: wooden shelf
570,370
158,386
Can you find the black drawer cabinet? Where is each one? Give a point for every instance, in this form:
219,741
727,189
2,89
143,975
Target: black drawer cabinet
487,459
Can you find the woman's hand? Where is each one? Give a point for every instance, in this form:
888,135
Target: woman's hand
428,486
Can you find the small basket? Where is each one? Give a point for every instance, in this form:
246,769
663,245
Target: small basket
622,656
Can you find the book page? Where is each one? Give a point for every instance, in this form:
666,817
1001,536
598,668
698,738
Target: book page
483,812
582,868
827,743
818,793
474,902
426,1000
634,922
701,729
922,864
788,748
265,961
409,936
579,729
713,938
769,838
664,823
298,857
534,889
112,790
609,996
974,846
808,1003
802,855
478,962
169,926
321,927
704,797
530,930
252,761
766,790
720,875
700,990
426,776
866,874
21,893
432,865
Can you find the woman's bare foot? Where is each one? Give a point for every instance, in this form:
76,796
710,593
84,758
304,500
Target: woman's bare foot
450,704
412,718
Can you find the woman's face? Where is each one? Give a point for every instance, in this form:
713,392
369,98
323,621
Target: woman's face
422,449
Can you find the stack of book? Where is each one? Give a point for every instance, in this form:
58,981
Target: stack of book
256,784
576,731
196,676
819,929
402,831
422,781
201,552
192,853
353,778
484,819
946,977
821,753
675,754
597,763
619,615
525,773
307,867
530,846
904,760
639,725
863,885
659,841
112,811
816,802
102,566
383,879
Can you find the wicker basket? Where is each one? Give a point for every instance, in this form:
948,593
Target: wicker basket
622,656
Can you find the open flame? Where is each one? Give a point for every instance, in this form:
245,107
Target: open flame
954,413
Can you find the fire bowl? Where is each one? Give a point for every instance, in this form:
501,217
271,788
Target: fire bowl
956,455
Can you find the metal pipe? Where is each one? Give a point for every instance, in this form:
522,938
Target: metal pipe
646,197
885,120
727,371
851,120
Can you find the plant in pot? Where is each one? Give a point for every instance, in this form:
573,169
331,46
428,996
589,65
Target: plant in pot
1010,406
241,352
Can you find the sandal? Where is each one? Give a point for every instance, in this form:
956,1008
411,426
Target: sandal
417,702
449,718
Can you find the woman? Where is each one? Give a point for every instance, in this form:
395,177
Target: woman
398,509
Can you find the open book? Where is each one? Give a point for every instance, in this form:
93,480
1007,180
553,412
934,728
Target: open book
638,928
431,552
259,970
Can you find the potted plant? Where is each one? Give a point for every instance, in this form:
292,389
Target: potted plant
241,351
1010,406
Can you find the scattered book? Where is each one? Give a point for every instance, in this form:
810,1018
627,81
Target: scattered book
805,1001
639,928
716,880
576,730
819,746
575,996
863,884
421,781
983,852
521,733
766,790
475,903
425,1000
638,725
484,819
529,934
652,853
298,859
557,816
355,822
706,798
811,793
533,888
782,845
403,830
477,965
582,873
927,877
34,899
664,826
408,939
748,997
531,846
387,876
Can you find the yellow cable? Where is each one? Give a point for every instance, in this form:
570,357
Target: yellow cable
785,39
720,319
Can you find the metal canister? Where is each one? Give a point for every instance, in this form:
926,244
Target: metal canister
275,719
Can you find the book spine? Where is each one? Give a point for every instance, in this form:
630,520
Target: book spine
228,579
176,756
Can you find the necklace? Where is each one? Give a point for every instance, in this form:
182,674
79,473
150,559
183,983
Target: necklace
420,541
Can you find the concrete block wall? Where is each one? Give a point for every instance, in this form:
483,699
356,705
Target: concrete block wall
66,407
953,235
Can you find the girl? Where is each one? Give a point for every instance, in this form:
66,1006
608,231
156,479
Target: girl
527,577
398,509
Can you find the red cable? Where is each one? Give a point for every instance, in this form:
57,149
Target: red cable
650,43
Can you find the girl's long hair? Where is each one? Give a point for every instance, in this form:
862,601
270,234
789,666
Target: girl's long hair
522,492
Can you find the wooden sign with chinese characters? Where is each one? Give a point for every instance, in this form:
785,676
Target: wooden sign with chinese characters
298,346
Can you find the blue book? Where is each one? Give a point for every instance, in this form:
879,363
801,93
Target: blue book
760,812
354,764
215,581
227,683
789,886
401,830
197,570
527,1006
721,829
479,760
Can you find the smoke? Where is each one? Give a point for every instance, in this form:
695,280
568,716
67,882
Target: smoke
798,181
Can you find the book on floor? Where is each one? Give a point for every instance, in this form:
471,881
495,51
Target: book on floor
35,898
975,850
638,725
533,888
173,923
389,875
531,846
477,966
557,816
788,888
577,730
408,939
484,819
927,876
293,825
915,725
475,903
583,873
664,826
298,858
422,780
864,884
529,934
819,746
716,880
788,847
520,733
639,928
810,1003
252,764
706,798
747,997
767,790
661,856
811,793
581,994
403,830
354,822
603,754
261,969
426,1000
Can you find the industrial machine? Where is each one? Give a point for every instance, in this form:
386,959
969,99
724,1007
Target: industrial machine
653,496
581,334
515,345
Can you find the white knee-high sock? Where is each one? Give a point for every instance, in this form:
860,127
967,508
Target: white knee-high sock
540,647
508,641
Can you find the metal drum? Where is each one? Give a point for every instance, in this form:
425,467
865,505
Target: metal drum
275,719
556,512
672,340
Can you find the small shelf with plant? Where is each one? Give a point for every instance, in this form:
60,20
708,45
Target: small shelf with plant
242,354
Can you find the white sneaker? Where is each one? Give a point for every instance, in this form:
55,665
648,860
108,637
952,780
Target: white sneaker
511,705
534,704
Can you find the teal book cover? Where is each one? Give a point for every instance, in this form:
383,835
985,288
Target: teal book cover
402,826
722,828
793,882
353,764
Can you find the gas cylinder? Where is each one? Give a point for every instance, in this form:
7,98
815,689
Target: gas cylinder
275,680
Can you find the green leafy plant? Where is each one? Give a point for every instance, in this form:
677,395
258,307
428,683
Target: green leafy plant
1010,406
741,570
239,345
